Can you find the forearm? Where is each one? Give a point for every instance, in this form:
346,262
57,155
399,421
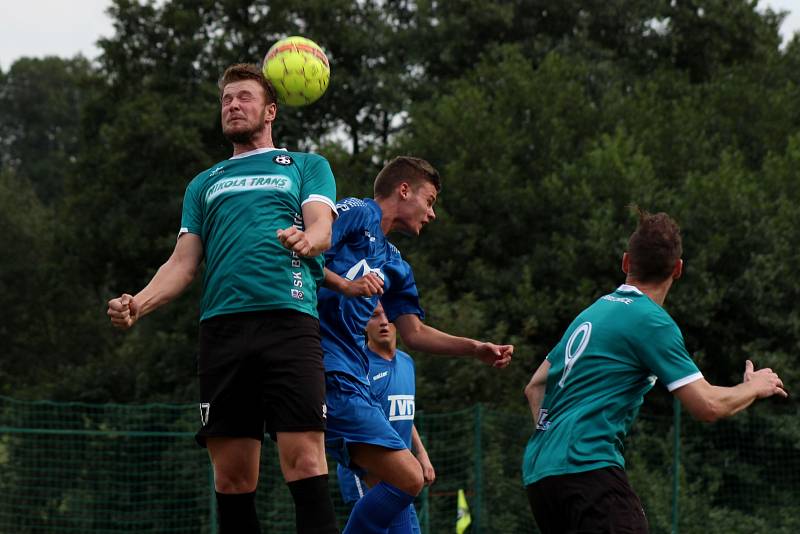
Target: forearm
333,281
535,395
416,442
170,280
428,339
318,235
727,401
535,390
709,403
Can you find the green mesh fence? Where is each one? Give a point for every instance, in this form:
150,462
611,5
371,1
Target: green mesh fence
94,468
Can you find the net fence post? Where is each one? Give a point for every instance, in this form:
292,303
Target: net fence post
476,524
676,461
425,512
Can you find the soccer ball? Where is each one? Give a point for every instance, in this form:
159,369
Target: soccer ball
298,69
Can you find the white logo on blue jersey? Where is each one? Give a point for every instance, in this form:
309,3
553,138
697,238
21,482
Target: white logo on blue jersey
381,375
401,407
360,269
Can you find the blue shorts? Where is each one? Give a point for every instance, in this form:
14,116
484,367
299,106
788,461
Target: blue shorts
354,417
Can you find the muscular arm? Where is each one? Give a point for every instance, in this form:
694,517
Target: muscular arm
170,280
316,238
428,473
710,403
421,337
366,286
535,389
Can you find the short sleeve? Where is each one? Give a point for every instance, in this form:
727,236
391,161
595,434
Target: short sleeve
557,351
402,298
192,213
662,350
318,184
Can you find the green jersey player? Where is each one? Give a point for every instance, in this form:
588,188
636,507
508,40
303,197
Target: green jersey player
260,220
586,394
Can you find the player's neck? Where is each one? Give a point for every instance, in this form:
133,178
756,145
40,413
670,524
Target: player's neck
262,140
657,291
387,214
385,351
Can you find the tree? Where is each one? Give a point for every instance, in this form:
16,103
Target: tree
40,107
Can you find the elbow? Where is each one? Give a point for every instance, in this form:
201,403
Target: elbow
528,390
410,341
709,412
190,272
532,391
321,245
326,244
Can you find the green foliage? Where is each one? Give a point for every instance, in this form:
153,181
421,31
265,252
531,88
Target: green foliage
547,119
41,101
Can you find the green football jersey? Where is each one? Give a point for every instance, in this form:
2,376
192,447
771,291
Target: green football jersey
236,207
607,360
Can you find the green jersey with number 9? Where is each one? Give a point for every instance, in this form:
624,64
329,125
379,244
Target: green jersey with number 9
607,360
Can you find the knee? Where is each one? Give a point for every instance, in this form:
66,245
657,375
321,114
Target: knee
305,463
228,481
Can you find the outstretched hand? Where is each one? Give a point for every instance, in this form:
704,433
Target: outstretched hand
123,311
767,382
498,356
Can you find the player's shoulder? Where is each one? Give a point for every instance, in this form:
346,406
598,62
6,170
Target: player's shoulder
394,252
357,206
214,172
305,157
349,203
404,358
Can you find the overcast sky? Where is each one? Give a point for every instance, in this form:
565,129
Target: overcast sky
37,28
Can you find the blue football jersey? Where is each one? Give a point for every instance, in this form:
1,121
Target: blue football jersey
393,386
358,247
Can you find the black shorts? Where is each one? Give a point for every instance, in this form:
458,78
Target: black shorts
260,372
593,502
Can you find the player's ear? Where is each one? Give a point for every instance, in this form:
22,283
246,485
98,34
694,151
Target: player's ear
270,111
404,190
626,263
678,270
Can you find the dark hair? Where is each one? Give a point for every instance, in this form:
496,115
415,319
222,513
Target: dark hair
247,71
654,247
405,169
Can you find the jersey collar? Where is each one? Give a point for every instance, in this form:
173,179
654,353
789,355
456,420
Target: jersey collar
374,206
257,151
627,288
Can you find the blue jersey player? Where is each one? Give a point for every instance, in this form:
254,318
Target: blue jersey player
362,267
586,394
392,381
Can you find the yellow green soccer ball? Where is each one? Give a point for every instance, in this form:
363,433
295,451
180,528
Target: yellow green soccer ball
299,70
